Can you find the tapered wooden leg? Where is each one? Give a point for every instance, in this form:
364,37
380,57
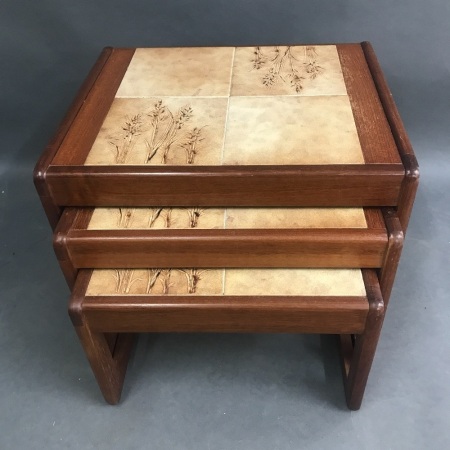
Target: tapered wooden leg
358,351
108,360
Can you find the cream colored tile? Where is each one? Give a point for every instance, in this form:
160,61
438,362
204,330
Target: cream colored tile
314,282
295,218
291,130
236,218
156,218
296,70
239,282
178,72
156,282
172,131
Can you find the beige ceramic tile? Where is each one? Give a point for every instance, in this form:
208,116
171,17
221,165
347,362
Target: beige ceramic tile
295,218
291,130
288,282
178,72
172,131
232,218
156,218
314,282
295,70
156,282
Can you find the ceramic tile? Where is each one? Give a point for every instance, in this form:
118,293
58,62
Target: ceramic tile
155,131
295,70
291,130
156,282
266,123
156,218
277,282
178,72
295,218
231,218
314,282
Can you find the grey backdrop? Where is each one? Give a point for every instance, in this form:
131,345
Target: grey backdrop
219,391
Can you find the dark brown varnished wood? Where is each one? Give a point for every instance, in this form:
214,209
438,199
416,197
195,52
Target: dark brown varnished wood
411,180
226,314
343,185
60,247
357,356
78,247
52,210
374,218
108,354
374,133
227,248
389,266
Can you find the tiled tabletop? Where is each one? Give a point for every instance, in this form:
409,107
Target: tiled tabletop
229,218
230,106
233,282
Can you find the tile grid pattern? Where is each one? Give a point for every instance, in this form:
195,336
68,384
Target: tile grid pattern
288,107
228,109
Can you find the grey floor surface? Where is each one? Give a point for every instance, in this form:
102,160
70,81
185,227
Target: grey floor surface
219,391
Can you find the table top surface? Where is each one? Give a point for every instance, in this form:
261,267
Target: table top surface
214,106
233,282
228,106
225,218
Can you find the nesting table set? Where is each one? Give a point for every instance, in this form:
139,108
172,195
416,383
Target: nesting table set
222,189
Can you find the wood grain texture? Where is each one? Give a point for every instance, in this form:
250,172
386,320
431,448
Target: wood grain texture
356,367
108,354
368,185
77,247
411,180
308,315
374,218
374,133
391,260
227,248
83,131
60,246
52,210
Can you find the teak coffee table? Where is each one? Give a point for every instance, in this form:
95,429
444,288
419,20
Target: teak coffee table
248,189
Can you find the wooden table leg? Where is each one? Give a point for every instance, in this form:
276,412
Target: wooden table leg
109,367
358,351
108,353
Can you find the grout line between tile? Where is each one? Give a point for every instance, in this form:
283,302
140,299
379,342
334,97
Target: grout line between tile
225,217
228,108
231,71
223,280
